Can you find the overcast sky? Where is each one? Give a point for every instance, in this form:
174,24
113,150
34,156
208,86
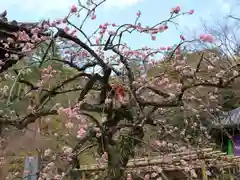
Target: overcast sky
123,11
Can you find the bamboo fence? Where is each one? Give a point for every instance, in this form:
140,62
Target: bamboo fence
177,161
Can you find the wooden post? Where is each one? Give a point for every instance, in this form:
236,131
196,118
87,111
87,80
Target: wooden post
31,168
204,171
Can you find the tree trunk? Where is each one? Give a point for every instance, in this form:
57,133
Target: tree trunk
119,155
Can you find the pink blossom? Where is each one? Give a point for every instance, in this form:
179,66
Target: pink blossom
210,68
104,27
53,23
73,32
142,68
207,38
69,125
178,9
66,29
35,38
73,9
106,24
163,48
98,134
140,29
57,177
111,32
64,20
138,14
81,133
182,37
147,177
155,32
132,26
97,129
129,177
161,29
15,34
102,31
191,11
156,143
178,51
35,30
154,38
46,27
10,40
175,10
58,22
154,174
27,47
7,45
114,25
93,17
169,48
105,156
